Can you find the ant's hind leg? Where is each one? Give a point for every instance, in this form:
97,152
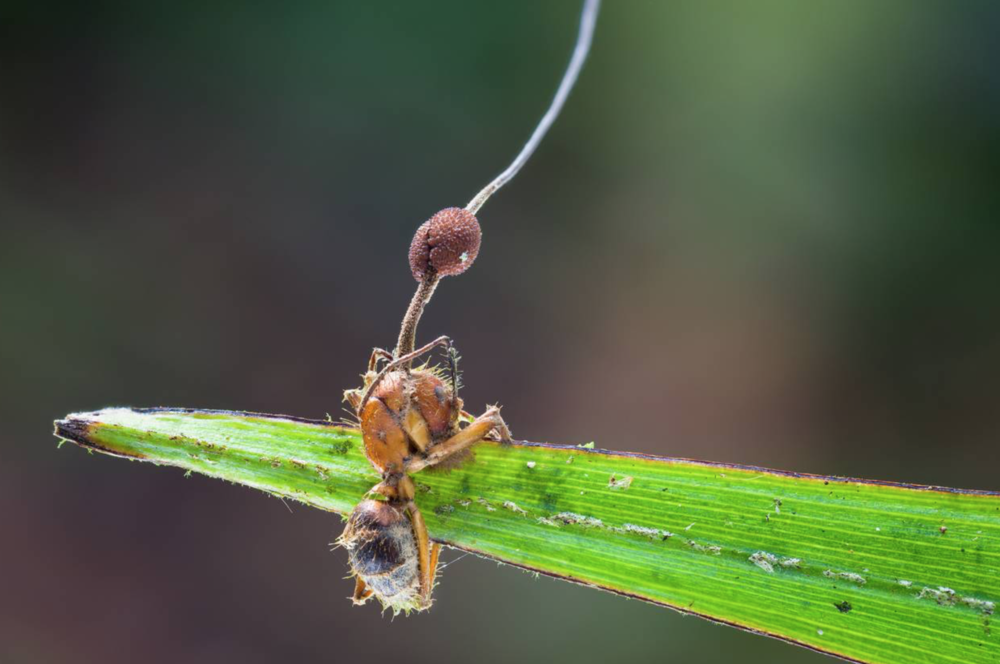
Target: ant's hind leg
435,553
361,592
425,558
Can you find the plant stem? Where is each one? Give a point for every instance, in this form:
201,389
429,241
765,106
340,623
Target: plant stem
408,331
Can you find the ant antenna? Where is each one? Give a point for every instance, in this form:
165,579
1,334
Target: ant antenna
587,20
456,378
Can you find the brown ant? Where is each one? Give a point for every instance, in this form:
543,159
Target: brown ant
412,419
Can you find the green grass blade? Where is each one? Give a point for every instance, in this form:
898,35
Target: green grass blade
869,571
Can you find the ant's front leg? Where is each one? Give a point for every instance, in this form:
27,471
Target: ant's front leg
378,354
487,423
501,434
395,363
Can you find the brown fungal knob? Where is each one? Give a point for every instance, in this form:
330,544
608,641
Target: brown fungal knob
445,245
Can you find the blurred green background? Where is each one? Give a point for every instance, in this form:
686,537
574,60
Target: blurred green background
761,233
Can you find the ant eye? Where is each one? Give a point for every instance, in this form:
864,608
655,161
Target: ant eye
446,244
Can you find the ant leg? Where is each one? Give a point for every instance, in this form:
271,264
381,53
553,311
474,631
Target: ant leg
361,592
394,488
353,397
424,556
501,434
435,553
383,489
409,357
378,354
486,423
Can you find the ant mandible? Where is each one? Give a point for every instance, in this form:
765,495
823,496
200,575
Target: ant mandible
412,419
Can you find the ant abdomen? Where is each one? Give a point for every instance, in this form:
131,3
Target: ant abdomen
383,552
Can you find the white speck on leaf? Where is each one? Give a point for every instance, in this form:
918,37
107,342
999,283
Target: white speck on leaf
711,550
764,560
512,506
845,576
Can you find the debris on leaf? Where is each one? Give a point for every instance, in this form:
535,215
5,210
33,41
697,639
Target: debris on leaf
619,484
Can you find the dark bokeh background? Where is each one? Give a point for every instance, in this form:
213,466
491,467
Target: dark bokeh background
761,232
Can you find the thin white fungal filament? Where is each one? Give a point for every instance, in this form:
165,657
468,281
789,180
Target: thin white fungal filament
587,20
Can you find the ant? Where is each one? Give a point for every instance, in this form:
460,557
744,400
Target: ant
412,419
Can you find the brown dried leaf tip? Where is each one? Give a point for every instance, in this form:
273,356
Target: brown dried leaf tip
446,244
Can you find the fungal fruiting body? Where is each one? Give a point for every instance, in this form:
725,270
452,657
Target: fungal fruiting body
447,243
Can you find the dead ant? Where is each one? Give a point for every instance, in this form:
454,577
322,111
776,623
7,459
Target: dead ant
412,418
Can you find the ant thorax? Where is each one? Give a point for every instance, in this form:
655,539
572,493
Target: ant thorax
408,412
